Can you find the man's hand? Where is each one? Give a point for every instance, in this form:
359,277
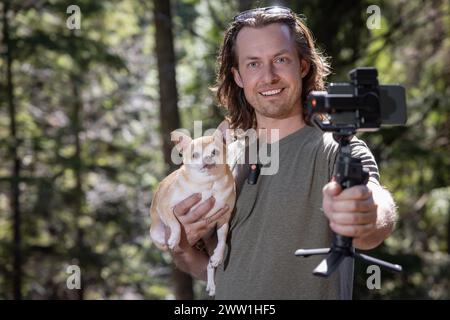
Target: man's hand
352,212
194,224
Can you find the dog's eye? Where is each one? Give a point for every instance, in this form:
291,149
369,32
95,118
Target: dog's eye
215,152
195,155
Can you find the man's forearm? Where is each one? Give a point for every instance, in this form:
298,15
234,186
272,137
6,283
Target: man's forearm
193,261
386,216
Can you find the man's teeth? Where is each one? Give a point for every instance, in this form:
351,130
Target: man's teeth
271,92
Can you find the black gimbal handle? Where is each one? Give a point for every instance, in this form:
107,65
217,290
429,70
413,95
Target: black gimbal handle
349,172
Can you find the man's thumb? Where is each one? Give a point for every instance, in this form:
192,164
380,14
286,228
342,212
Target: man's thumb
332,188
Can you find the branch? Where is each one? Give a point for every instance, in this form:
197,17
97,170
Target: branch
215,17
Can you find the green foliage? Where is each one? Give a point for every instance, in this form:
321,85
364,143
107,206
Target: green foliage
56,72
411,48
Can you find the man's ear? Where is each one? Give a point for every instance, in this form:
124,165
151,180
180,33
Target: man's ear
181,140
304,67
237,77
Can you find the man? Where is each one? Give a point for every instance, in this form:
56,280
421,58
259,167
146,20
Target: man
268,65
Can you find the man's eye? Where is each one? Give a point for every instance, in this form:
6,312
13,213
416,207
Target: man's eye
252,64
281,60
195,155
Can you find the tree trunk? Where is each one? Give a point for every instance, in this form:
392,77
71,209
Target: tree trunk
448,232
77,168
169,115
15,176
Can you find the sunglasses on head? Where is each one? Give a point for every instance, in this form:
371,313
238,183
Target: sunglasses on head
275,10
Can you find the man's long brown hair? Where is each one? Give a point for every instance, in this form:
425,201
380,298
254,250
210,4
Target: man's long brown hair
241,114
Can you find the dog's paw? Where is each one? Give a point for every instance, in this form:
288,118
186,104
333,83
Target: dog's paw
173,241
161,246
211,288
158,239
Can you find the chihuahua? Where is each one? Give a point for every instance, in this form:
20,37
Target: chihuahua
204,170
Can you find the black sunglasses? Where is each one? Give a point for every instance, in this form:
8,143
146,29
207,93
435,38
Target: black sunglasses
276,10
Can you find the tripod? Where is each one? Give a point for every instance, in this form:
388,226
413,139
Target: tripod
349,172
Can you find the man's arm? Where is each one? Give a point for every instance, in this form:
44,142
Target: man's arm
191,261
365,213
194,225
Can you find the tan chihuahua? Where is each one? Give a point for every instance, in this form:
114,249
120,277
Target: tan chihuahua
204,171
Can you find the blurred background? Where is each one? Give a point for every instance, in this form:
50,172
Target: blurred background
88,97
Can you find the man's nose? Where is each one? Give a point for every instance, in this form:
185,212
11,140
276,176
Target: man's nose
270,74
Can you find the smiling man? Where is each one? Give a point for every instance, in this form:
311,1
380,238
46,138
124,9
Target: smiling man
268,64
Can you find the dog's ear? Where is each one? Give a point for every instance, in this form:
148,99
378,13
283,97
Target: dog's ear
181,140
223,127
227,133
218,137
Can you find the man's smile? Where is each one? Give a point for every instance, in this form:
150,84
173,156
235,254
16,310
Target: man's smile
271,93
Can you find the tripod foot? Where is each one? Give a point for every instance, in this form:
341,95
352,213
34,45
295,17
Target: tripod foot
384,264
329,264
311,252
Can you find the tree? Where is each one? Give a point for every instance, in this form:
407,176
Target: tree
15,171
169,116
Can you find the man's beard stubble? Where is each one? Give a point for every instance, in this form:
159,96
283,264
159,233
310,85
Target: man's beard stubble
281,110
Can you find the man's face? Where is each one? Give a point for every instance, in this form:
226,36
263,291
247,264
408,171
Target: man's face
270,71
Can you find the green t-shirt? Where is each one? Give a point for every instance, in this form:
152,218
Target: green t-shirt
280,214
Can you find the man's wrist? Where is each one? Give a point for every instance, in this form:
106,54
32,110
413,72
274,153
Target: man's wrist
180,250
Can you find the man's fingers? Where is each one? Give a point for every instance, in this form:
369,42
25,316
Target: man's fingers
216,216
359,192
352,230
184,206
353,205
200,211
353,218
197,230
208,221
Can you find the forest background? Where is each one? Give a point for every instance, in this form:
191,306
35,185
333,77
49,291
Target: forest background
87,103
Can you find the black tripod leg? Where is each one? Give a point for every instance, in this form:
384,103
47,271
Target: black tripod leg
387,265
329,264
311,252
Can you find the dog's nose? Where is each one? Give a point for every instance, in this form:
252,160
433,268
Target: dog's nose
208,160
